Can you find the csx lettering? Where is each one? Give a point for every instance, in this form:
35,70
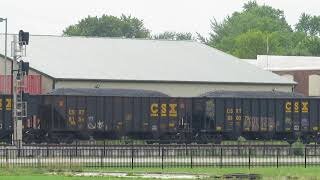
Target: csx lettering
305,107
154,110
163,110
288,106
173,110
297,107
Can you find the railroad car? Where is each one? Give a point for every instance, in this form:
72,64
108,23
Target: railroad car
213,117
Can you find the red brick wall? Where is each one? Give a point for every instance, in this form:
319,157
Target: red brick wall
302,78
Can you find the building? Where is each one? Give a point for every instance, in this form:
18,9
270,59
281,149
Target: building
304,70
176,68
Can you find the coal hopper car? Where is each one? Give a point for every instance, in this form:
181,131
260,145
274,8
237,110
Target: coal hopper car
107,114
65,116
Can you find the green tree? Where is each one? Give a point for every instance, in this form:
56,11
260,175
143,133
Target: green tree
244,34
309,24
109,26
169,35
249,44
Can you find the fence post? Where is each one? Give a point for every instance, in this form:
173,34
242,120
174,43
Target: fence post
305,157
70,156
19,148
7,156
221,157
132,154
104,148
191,154
249,157
76,148
162,154
38,157
186,147
277,157
47,150
101,158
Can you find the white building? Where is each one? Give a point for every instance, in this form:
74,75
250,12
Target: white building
177,68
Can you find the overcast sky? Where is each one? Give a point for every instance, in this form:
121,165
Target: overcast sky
52,16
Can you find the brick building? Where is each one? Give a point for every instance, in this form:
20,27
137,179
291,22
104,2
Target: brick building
302,69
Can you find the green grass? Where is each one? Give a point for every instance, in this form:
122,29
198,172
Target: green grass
266,173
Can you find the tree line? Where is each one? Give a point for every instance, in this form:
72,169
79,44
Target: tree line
256,30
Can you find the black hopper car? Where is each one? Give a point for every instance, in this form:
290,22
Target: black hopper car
79,114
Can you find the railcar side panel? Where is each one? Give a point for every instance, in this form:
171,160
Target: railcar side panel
255,115
108,113
263,111
271,115
198,111
279,115
210,114
220,114
88,114
100,114
246,115
314,115
128,114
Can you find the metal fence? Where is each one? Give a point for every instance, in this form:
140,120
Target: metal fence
132,156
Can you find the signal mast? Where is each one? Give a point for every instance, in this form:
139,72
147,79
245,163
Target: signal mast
18,50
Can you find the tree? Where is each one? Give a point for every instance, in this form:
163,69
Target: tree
249,44
241,31
309,24
169,35
109,26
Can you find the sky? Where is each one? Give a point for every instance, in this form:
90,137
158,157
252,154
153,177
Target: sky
50,17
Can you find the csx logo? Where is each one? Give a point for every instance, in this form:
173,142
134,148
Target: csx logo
155,109
297,107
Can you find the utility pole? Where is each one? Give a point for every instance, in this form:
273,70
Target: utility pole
5,54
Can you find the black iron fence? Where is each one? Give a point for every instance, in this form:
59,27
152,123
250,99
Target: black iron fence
161,156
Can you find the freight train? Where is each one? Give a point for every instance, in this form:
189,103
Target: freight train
65,116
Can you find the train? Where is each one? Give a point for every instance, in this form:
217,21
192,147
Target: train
68,115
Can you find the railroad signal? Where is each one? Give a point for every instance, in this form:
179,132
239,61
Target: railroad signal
24,66
23,38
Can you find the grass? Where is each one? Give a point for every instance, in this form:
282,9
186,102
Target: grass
266,172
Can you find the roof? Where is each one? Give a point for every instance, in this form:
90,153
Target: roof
286,63
140,60
107,92
253,94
